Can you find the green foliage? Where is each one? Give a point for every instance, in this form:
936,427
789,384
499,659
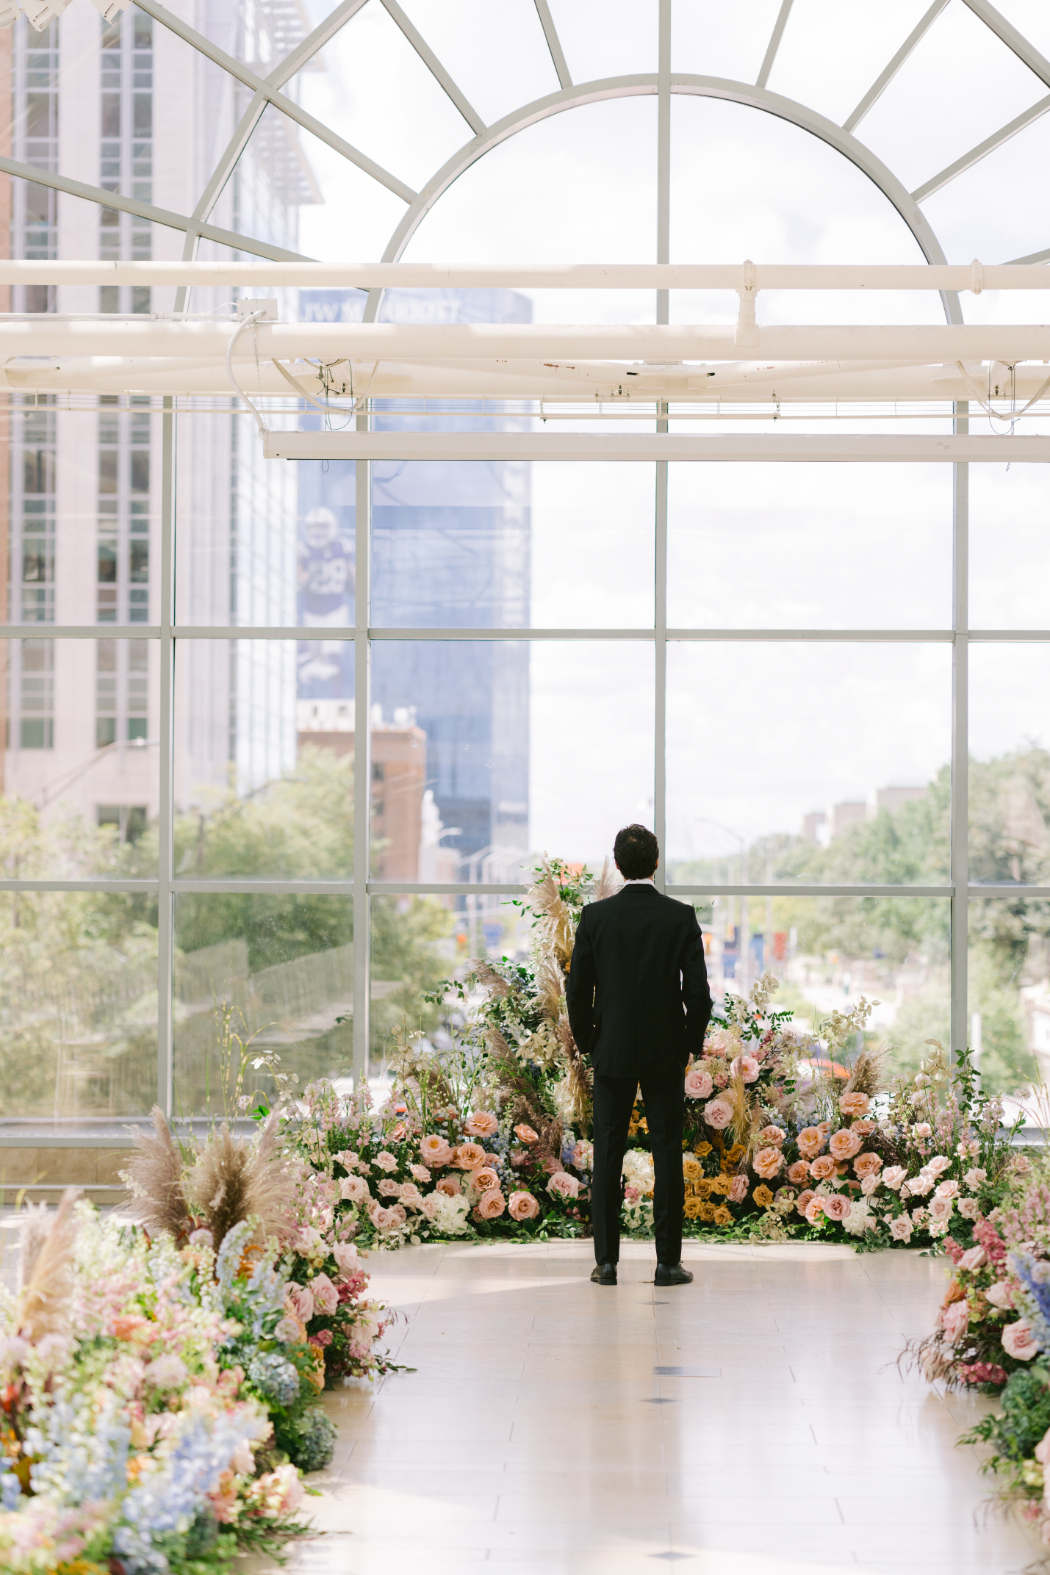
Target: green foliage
1024,1422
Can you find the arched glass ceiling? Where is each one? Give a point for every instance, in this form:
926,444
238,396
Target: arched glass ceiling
385,107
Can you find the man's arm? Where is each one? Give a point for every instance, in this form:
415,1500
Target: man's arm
696,992
579,988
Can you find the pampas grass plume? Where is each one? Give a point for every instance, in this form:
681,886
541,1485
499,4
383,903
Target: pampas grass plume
43,1307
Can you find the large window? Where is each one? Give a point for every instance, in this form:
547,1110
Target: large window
282,741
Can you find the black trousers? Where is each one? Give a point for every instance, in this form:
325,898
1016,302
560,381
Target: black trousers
664,1096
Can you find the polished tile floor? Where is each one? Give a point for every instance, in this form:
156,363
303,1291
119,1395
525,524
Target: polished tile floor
539,1431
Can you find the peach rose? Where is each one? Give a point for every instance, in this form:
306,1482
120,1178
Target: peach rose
774,1135
867,1165
803,1200
738,1189
718,1114
434,1151
420,1173
386,1219
822,1167
844,1144
481,1124
938,1163
824,1127
525,1134
810,1142
302,1301
1019,1342
326,1297
388,1188
745,1067
522,1206
468,1156
854,1104
411,1196
354,1189
562,1185
450,1186
491,1204
698,1084
814,1210
901,1228
947,1189
864,1129
384,1161
767,1162
798,1173
836,1206
894,1177
484,1179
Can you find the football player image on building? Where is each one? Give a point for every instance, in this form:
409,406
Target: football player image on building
326,589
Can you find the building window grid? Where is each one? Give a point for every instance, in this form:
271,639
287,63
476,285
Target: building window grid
126,150
34,140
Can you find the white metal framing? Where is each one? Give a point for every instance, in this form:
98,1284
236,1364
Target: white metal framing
196,226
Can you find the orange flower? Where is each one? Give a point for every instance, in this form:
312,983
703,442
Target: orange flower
468,1156
763,1197
525,1134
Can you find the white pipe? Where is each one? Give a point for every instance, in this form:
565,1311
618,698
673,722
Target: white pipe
542,342
541,276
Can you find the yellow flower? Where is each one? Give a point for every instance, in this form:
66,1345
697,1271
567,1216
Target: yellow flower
702,1150
692,1169
763,1197
692,1208
707,1213
721,1185
703,1188
723,1216
735,1154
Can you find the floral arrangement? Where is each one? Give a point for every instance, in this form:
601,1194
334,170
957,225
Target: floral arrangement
160,1381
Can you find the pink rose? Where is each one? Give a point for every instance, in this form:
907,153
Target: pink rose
948,1189
491,1204
773,1135
798,1173
481,1124
346,1256
468,1156
941,1208
836,1206
562,1185
354,1189
1001,1295
854,1104
969,1208
814,1210
583,1154
719,1041
955,1321
525,1134
384,1161
867,1165
326,1297
868,1185
738,1189
894,1176
822,1167
411,1196
1019,1341
434,1151
745,1067
522,1206
844,1144
302,1300
450,1186
484,1179
386,1219
901,1228
388,1188
804,1200
937,1164
718,1114
810,1142
698,1084
767,1162
975,1179
922,1129
420,1173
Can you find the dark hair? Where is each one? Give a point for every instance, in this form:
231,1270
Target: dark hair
636,852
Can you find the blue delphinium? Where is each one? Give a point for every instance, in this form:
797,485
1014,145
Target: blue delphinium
1034,1275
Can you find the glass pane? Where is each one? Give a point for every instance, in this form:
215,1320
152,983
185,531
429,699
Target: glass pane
715,40
542,746
606,38
778,546
1008,983
825,762
509,545
263,783
251,531
417,941
80,531
829,57
1009,547
1009,763
498,57
827,952
284,966
79,760
78,1002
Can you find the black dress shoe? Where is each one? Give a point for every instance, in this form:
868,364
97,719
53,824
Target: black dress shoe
605,1274
672,1274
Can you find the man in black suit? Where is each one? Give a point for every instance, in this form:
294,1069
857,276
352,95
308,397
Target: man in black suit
639,1004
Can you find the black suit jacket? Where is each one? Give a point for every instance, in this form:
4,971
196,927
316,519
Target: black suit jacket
637,990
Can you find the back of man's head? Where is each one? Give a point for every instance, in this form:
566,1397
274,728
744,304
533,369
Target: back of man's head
637,852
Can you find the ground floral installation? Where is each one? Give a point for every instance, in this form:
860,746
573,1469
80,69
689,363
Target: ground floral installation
159,1381
993,1331
787,1134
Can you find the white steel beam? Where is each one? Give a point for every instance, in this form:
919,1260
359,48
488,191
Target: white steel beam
774,43
886,76
550,33
649,446
996,140
1014,41
434,66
